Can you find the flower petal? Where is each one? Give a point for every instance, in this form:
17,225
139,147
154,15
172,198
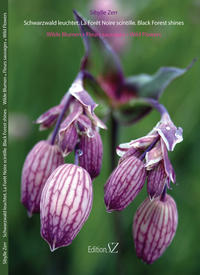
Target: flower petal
84,123
131,152
78,91
170,134
41,161
65,204
49,117
153,156
140,143
124,184
167,164
75,113
156,180
96,121
92,153
68,139
154,227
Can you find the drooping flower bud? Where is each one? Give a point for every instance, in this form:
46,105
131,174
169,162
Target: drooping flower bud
156,180
154,227
92,152
68,136
41,161
65,204
153,150
124,184
69,140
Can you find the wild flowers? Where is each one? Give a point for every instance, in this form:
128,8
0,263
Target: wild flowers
62,192
141,158
155,221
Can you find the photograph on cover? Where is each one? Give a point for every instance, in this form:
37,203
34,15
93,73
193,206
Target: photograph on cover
103,131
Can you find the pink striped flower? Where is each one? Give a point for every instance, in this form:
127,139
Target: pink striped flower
41,161
75,105
154,227
124,184
69,140
76,123
68,132
92,153
80,129
65,205
153,149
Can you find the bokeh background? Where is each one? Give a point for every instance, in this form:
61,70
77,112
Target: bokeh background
41,69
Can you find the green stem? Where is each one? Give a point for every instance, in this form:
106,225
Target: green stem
60,118
116,215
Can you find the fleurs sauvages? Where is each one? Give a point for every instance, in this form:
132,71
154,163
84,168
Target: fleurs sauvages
77,129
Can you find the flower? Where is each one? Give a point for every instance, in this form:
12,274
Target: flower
41,161
79,128
153,148
68,140
65,205
141,158
77,124
91,153
68,135
154,227
124,184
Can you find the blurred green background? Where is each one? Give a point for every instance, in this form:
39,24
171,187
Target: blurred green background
41,69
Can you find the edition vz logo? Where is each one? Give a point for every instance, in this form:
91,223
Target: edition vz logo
112,247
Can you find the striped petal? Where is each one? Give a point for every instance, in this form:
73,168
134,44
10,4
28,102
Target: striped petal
169,170
95,120
154,227
66,203
92,153
124,184
42,160
48,119
140,143
68,139
154,156
85,125
131,152
72,117
77,90
156,180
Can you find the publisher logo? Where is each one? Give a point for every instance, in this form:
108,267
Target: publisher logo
112,248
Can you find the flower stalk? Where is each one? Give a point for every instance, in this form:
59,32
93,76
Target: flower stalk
61,116
114,135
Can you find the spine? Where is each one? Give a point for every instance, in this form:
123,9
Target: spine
3,136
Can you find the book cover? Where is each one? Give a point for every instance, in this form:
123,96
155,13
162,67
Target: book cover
99,137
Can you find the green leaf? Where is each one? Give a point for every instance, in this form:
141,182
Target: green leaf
154,85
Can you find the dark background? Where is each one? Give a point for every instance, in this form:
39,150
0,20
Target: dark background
41,69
